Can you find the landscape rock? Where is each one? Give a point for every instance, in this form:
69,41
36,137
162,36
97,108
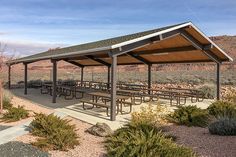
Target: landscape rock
100,129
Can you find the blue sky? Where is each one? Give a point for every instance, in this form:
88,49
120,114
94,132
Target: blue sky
40,24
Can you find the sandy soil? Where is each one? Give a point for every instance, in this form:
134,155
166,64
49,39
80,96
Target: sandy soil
33,108
90,146
205,144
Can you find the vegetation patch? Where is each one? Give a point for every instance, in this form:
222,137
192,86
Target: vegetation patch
208,91
189,116
143,140
230,95
222,109
223,127
150,115
15,113
55,133
7,97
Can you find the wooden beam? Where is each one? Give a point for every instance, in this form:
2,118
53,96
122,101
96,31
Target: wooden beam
218,81
98,60
165,50
139,44
143,60
74,63
204,48
25,79
184,61
54,81
113,88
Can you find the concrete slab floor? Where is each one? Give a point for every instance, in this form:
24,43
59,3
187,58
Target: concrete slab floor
74,108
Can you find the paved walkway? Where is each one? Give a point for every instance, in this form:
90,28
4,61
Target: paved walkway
19,130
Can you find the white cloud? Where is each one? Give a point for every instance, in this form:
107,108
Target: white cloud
22,48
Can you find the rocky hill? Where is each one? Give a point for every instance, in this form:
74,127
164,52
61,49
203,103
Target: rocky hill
227,43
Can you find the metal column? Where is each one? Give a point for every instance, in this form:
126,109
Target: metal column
82,76
25,79
108,77
149,76
113,87
54,81
218,81
9,77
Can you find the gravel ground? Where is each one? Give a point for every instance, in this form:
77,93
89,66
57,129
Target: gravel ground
19,149
3,127
205,144
90,146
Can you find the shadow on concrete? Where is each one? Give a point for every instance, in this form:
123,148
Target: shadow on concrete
45,100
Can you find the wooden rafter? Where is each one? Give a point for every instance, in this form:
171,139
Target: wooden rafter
98,60
204,48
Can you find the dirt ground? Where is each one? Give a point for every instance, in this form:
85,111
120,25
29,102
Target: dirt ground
199,139
90,146
202,142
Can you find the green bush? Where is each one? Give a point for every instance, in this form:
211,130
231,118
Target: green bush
150,115
189,116
55,133
143,141
223,127
14,114
208,91
7,97
222,109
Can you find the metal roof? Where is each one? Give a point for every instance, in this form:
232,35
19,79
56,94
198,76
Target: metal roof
135,48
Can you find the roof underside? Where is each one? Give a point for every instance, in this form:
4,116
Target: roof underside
180,43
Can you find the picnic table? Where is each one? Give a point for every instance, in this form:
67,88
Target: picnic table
194,94
166,94
102,99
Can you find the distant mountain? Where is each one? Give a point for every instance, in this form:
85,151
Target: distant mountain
227,43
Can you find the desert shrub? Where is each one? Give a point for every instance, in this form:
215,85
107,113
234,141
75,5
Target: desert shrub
230,95
55,133
223,126
150,115
7,97
14,114
222,109
189,116
208,91
143,140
